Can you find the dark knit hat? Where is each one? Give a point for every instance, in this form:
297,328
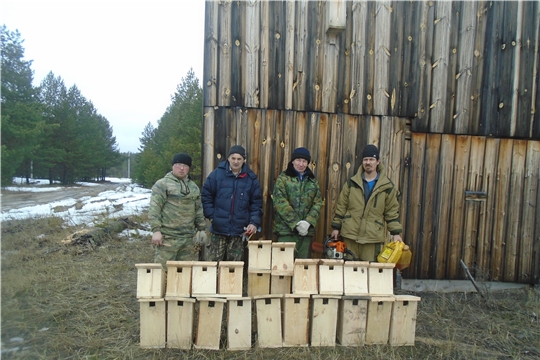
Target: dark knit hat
301,153
182,158
370,151
237,149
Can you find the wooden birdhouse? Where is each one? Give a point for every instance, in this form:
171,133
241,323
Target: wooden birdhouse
179,278
355,278
296,320
150,281
324,316
280,284
352,318
209,323
180,320
381,279
258,282
204,278
403,321
239,323
269,332
305,278
331,277
378,319
230,278
283,258
260,255
152,323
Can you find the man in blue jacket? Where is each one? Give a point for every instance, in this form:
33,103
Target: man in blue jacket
232,201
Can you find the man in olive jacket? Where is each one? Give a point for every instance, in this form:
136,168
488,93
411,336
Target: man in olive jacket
366,202
297,203
176,215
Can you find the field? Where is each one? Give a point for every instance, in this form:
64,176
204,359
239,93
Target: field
79,302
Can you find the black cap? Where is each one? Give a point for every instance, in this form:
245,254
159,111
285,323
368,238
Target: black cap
237,149
182,158
370,151
301,153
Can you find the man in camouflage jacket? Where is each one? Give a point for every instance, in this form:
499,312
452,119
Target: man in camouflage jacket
297,203
367,202
175,214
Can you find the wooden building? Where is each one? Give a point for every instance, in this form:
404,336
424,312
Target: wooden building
448,90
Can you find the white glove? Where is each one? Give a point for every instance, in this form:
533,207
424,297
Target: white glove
302,226
201,238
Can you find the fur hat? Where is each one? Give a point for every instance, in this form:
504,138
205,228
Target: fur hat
301,153
237,149
182,158
370,151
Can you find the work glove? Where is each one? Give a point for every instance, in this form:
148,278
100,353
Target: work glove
302,226
201,238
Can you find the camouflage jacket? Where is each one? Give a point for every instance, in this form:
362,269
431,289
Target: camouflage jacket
175,207
296,200
364,221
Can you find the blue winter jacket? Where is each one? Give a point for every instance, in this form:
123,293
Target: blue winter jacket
232,202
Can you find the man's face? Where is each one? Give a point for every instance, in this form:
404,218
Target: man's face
370,164
180,170
300,165
236,161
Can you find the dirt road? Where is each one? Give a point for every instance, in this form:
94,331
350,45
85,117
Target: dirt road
20,199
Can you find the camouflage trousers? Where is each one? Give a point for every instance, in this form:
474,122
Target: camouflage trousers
176,249
302,249
225,248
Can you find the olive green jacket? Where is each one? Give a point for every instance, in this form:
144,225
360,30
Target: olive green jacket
296,200
365,222
175,207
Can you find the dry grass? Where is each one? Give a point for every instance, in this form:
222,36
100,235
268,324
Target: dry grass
78,302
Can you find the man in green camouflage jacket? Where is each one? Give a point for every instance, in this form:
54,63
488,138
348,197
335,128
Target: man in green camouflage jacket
297,203
176,214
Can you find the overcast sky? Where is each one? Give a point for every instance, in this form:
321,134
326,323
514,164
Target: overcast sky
125,56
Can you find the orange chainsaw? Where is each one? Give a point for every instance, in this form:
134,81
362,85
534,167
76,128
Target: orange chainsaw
333,249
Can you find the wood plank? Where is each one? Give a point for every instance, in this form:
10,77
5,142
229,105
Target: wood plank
464,75
382,55
411,73
276,90
265,43
358,55
426,239
529,56
251,53
344,64
442,225
414,214
502,188
301,58
316,56
320,167
210,66
439,78
208,141
268,169
452,67
335,167
473,208
288,72
369,67
330,75
515,210
531,191
490,84
485,229
395,71
478,65
350,160
225,53
457,220
425,34
238,32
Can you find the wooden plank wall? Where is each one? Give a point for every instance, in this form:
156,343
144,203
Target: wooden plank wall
449,90
473,198
458,67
